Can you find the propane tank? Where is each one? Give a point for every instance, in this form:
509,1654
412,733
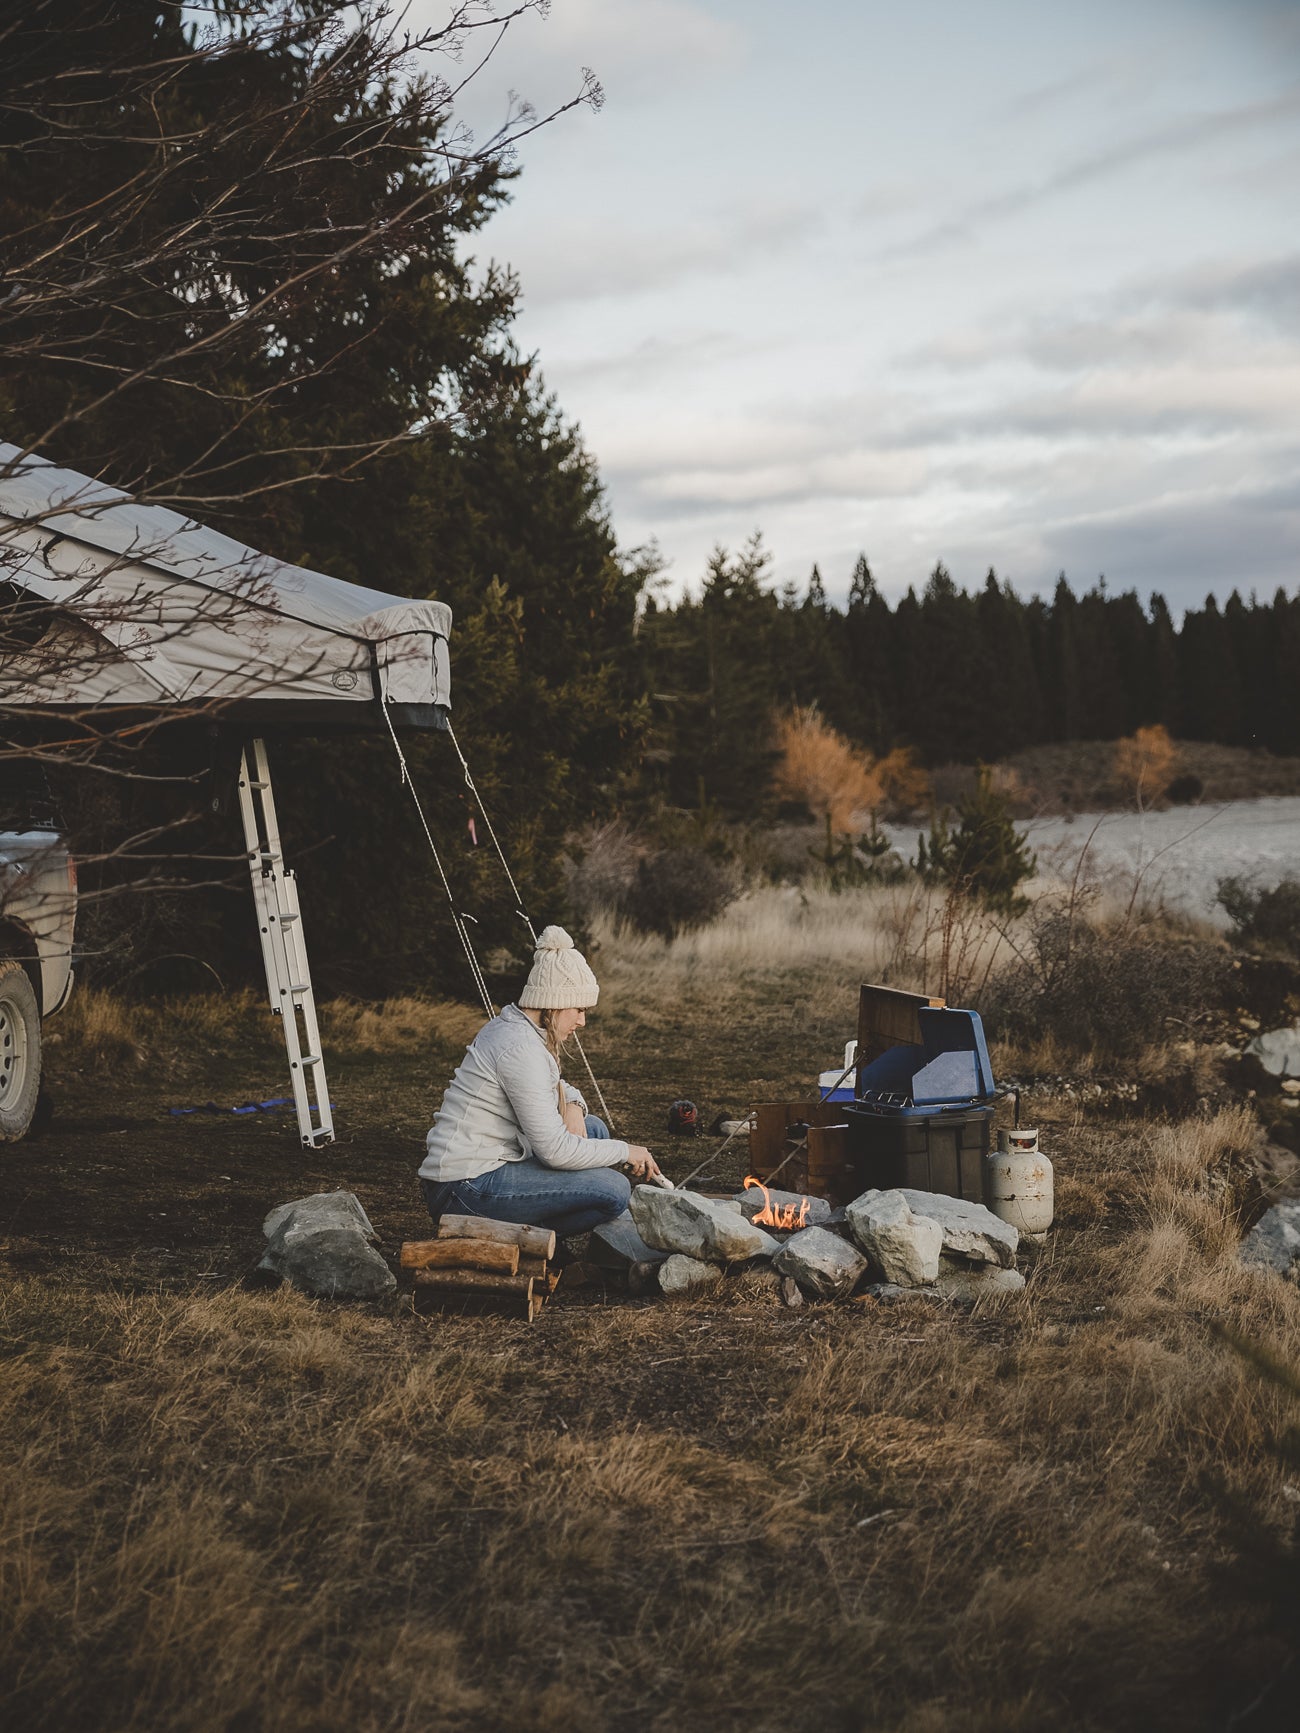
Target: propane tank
1018,1182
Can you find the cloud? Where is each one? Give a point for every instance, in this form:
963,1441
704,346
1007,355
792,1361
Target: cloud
1269,288
1056,92
1189,133
640,39
1189,543
1208,352
684,352
857,475
593,256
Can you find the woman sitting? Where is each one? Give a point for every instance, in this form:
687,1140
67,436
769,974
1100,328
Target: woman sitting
512,1141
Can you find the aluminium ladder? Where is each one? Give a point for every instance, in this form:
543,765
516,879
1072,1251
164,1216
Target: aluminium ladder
279,921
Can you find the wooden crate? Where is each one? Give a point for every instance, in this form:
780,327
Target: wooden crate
819,1166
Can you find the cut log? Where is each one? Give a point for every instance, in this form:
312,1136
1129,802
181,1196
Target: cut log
490,1255
535,1242
474,1282
534,1265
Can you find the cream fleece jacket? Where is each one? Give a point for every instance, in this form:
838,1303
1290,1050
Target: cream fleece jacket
503,1105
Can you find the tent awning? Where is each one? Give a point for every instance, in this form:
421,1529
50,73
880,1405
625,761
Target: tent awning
124,604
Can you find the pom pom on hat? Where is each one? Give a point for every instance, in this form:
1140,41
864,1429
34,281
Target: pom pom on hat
559,979
554,939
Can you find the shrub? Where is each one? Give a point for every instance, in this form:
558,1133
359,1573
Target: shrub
680,888
853,862
1145,764
1112,989
1185,790
985,856
822,772
601,878
1263,917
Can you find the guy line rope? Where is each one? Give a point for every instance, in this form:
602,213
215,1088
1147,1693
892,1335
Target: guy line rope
459,919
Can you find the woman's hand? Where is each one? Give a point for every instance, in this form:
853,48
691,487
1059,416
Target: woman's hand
575,1120
641,1165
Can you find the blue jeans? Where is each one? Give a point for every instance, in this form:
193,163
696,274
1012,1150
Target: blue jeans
567,1199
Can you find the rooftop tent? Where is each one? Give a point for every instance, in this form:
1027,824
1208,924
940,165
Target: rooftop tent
133,605
119,607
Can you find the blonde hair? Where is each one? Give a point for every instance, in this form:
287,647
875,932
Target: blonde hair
555,1047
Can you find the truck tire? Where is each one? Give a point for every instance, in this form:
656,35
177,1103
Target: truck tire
20,1051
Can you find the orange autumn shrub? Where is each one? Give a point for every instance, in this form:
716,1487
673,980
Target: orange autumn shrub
1145,764
834,778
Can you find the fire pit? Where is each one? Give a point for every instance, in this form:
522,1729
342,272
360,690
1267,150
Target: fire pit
785,1216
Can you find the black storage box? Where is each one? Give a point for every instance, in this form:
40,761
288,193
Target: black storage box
941,1152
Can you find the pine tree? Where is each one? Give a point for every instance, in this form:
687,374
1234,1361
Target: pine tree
870,663
1210,686
985,857
1161,675
1063,675
948,692
1011,714
712,665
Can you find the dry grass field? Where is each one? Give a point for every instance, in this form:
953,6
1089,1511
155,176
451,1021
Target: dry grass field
226,1509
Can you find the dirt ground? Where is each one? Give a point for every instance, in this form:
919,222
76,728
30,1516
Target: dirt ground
236,1510
177,1198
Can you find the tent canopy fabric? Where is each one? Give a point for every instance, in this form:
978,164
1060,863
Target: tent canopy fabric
118,603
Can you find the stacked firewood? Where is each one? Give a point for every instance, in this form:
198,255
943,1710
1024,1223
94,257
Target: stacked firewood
473,1257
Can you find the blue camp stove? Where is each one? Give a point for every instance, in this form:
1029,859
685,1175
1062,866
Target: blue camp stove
950,1071
922,1114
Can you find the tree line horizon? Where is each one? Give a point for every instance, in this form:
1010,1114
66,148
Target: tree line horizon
955,675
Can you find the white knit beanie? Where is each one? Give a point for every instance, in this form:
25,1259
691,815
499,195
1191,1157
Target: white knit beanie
559,979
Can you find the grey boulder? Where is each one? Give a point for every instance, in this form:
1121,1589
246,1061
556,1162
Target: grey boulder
321,1245
825,1266
697,1227
680,1277
965,1283
969,1230
322,1209
1274,1241
903,1246
617,1245
889,1293
1278,1051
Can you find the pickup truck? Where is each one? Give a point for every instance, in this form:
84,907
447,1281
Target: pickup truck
38,911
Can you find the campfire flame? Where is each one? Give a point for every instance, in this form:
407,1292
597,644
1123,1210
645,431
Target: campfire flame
782,1216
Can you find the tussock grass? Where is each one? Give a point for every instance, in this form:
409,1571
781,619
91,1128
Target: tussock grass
404,1025
245,1510
257,1513
870,933
99,1028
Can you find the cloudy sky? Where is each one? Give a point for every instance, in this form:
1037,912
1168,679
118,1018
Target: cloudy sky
1014,283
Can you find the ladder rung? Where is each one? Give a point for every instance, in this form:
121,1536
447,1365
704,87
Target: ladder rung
309,1059
297,987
